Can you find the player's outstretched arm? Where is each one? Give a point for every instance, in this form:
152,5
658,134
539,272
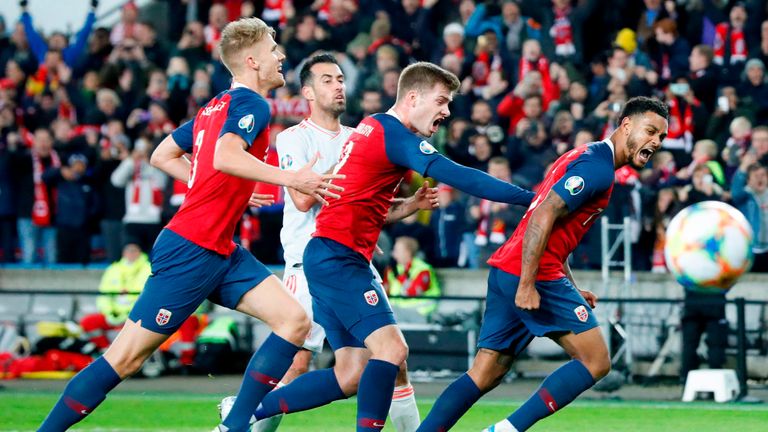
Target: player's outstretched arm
476,182
170,158
542,218
231,158
425,198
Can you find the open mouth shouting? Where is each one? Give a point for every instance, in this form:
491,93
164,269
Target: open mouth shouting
436,124
645,155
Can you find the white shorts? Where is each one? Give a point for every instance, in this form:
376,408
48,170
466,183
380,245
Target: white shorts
296,283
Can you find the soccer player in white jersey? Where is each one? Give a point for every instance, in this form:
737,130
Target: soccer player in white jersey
322,84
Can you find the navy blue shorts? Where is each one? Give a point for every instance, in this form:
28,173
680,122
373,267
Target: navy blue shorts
509,329
347,300
185,274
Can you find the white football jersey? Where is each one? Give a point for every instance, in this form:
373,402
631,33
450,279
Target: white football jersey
295,147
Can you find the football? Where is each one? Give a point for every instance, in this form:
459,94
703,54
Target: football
708,246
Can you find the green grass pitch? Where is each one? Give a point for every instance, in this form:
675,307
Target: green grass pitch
178,412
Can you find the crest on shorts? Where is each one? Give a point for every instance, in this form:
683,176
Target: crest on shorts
371,297
581,313
163,316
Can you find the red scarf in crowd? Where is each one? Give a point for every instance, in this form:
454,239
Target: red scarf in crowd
561,32
541,65
679,122
41,207
738,44
496,226
157,193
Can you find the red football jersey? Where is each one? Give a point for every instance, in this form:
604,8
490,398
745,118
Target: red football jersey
216,201
584,178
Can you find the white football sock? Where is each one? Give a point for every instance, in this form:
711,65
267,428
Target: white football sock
403,411
502,426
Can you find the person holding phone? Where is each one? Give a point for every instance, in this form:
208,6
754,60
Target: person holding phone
702,188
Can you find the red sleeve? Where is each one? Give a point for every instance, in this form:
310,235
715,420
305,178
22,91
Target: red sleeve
419,284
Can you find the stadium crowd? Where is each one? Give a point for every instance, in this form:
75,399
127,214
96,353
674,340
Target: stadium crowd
80,113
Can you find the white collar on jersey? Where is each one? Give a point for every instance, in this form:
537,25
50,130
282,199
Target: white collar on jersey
328,131
236,84
608,141
392,112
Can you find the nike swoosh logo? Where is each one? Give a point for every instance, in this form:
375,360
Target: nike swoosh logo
551,406
273,382
84,412
378,424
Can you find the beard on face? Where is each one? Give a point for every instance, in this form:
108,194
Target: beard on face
633,148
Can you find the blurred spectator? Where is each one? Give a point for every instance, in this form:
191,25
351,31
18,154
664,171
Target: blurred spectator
737,144
120,286
126,27
154,49
652,12
411,276
75,208
411,227
448,224
144,186
562,27
749,193
702,188
217,19
687,120
754,91
7,191
760,144
308,38
191,46
703,75
71,53
113,150
35,205
761,52
530,152
482,124
494,221
452,43
730,44
664,210
669,51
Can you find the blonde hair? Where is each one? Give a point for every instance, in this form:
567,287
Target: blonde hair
239,35
423,76
706,146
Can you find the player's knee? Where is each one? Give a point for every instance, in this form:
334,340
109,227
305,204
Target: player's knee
127,366
396,353
599,366
296,326
349,379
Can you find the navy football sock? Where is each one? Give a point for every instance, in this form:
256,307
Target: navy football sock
264,371
313,389
374,395
455,400
84,392
559,389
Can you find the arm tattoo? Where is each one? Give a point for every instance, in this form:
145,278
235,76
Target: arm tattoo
537,233
398,210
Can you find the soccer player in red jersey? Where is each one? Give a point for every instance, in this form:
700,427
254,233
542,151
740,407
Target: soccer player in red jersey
531,291
194,257
348,301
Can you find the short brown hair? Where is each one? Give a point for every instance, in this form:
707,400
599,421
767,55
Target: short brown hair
667,25
706,51
239,35
423,76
